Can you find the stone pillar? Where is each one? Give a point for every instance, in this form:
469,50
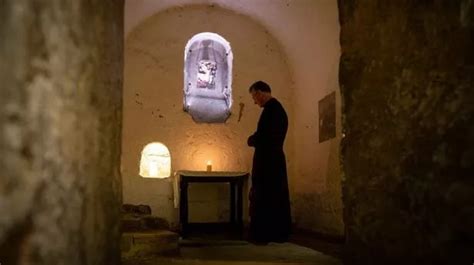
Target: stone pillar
407,78
60,131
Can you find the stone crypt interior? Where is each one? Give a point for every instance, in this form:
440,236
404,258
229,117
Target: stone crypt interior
107,106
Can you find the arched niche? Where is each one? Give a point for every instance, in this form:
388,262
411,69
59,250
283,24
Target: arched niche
208,78
155,161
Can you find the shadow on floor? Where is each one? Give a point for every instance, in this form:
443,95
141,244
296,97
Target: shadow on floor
212,247
329,245
244,251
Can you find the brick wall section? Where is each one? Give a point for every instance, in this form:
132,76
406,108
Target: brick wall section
60,125
407,78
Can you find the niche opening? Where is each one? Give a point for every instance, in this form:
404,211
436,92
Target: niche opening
208,78
155,161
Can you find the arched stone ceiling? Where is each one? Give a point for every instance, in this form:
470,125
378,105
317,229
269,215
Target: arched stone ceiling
305,28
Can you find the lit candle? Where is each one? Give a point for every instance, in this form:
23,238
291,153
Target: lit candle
209,165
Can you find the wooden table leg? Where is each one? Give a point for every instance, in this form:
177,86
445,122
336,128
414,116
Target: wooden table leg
240,222
183,207
232,202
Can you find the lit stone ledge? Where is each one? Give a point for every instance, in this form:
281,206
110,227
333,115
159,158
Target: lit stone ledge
159,242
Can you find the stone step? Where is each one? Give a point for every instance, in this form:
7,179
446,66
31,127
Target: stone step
154,242
133,223
136,209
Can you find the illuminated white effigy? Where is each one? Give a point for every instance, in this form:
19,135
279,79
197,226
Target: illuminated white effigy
208,78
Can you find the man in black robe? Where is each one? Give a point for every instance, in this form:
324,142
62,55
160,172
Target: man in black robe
270,215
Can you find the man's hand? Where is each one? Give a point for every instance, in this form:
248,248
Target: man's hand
251,141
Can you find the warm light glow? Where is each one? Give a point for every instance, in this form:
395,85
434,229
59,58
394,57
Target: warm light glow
196,157
155,161
209,165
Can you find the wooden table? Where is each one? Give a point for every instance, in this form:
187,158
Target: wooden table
235,180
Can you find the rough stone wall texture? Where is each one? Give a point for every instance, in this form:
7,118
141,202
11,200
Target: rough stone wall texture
308,33
407,77
316,187
153,105
60,119
316,182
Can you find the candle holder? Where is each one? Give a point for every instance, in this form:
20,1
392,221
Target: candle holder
209,166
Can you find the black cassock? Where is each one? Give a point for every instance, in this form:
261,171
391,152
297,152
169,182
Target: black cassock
270,215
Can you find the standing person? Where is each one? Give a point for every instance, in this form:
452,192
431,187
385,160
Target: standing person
270,215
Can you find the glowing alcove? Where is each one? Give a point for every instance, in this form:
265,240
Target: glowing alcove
208,78
155,161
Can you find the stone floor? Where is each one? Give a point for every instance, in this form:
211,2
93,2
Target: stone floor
216,252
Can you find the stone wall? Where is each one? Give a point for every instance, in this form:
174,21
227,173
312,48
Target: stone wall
316,181
60,120
153,106
407,77
307,31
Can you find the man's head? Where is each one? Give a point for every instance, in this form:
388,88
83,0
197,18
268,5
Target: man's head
261,93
